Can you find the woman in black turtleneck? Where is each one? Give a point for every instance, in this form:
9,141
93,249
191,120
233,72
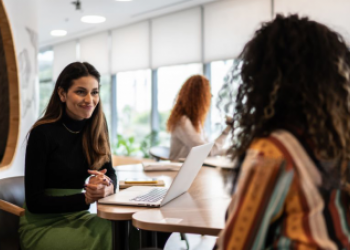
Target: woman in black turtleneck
65,147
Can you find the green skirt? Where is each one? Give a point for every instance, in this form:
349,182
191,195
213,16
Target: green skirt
64,231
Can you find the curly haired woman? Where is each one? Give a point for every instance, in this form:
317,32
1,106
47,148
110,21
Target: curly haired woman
187,119
292,126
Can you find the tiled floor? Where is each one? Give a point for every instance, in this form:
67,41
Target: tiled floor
196,241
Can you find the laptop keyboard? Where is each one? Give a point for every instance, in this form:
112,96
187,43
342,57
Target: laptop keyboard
154,195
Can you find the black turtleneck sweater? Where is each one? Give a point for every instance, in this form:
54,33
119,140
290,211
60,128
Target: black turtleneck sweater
55,159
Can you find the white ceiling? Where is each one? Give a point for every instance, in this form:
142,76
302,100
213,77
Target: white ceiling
61,14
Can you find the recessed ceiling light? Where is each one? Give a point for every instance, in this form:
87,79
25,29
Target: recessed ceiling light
58,33
93,19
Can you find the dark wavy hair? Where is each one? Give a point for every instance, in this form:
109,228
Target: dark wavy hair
192,101
95,135
295,72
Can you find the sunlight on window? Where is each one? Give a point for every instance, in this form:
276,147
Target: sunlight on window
134,104
46,85
219,70
170,80
105,97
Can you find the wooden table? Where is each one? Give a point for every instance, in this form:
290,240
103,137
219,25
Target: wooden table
111,212
121,216
201,210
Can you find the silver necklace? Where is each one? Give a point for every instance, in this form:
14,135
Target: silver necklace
69,130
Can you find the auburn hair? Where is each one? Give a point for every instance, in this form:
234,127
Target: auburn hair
95,134
192,101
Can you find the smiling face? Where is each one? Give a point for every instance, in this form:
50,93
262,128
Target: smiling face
81,98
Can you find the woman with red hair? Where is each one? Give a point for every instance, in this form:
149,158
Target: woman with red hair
188,116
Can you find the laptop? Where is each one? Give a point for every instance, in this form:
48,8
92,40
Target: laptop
158,196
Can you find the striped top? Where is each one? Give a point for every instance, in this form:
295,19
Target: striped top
279,202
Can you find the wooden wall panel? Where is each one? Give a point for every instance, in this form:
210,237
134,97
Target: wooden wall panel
13,98
4,101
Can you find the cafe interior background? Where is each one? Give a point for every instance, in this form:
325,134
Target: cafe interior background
144,50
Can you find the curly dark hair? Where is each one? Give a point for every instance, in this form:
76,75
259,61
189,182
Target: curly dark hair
192,101
295,72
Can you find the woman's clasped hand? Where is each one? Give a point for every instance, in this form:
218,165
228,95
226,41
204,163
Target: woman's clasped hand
99,186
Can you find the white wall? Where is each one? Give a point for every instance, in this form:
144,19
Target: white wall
23,19
334,14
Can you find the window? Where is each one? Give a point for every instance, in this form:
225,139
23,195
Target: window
105,97
46,84
219,74
170,80
134,105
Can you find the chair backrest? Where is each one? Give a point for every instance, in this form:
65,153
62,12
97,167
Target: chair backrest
11,190
160,152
